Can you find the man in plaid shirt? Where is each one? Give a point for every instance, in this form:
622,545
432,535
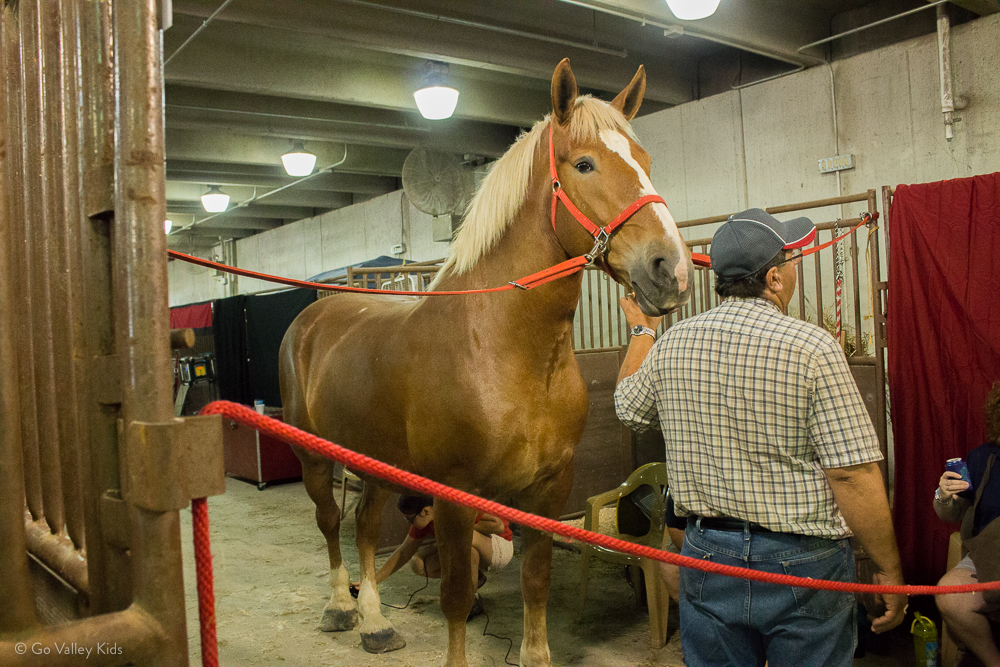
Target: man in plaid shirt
771,455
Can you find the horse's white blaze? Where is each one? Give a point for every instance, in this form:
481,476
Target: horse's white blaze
618,143
370,608
341,598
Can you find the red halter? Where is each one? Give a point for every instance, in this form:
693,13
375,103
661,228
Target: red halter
602,235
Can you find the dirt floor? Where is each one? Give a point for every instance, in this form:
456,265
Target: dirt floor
271,584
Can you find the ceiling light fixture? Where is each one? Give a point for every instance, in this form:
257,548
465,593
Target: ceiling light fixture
435,99
692,10
167,224
298,161
215,201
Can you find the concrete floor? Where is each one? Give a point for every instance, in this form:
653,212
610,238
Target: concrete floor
271,584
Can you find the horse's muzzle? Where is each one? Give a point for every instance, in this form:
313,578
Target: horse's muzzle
663,280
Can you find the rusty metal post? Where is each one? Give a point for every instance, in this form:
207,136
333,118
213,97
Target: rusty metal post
99,386
16,240
800,275
40,265
878,287
18,611
818,266
56,189
856,293
141,307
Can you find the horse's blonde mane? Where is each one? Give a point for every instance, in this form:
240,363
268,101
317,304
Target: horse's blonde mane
505,187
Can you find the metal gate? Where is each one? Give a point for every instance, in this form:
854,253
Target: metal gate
93,466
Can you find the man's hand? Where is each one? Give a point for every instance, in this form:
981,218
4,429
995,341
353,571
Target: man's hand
634,315
895,605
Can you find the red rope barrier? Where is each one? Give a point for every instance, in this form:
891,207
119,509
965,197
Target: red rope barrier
560,270
355,461
206,589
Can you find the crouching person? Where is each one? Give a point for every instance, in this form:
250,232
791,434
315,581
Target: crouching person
492,546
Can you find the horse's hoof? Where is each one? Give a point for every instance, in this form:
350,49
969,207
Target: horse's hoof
339,620
382,641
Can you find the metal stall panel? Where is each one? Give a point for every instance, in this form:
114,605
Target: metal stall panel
85,383
17,613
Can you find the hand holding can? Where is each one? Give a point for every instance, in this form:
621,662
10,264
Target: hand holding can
959,466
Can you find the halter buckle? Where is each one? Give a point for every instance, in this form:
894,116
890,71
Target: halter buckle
556,186
601,242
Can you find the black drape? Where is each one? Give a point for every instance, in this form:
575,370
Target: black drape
268,316
229,328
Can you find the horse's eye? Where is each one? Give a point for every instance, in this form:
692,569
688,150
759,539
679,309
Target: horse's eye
584,166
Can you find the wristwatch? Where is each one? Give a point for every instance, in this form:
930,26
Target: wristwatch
640,330
937,497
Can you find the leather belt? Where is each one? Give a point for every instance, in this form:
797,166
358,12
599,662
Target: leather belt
726,523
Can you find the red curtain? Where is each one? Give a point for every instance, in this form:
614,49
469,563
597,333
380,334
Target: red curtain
197,316
944,347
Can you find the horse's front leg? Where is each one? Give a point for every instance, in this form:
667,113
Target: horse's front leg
377,633
546,498
453,526
340,612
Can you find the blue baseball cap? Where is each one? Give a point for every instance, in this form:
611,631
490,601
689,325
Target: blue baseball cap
749,240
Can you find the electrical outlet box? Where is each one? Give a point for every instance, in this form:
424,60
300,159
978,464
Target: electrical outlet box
397,249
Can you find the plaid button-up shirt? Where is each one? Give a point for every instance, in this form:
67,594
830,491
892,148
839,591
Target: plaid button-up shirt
753,406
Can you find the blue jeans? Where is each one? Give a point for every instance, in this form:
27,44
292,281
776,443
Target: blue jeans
727,621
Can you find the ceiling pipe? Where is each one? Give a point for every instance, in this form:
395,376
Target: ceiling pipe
872,25
196,32
948,102
944,62
285,116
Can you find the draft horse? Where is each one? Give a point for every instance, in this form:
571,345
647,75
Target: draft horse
482,392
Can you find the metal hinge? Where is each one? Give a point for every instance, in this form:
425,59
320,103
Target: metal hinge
172,462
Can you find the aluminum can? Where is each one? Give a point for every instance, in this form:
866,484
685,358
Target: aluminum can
959,466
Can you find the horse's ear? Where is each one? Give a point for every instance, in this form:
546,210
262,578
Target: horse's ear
629,100
563,92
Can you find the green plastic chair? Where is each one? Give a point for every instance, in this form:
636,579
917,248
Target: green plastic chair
658,601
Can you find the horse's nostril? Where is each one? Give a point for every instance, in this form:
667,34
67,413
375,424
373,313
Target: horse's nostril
662,268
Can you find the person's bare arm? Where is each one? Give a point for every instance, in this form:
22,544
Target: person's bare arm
860,495
400,557
638,346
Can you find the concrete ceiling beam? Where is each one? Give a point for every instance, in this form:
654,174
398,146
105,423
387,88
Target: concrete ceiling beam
234,148
330,182
454,136
981,7
192,192
226,221
189,244
208,229
259,210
